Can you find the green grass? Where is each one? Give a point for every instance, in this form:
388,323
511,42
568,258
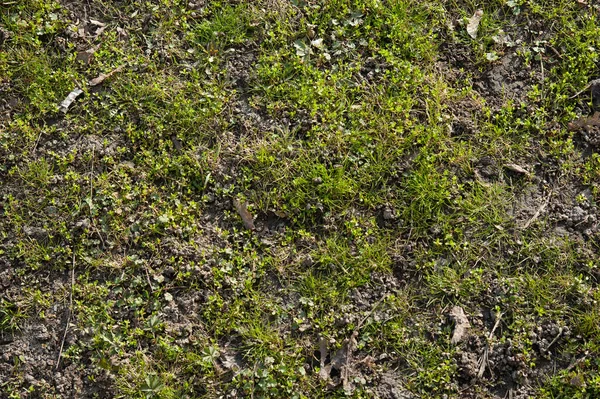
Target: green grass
323,116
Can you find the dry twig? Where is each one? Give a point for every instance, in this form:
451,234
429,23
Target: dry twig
483,361
538,212
62,344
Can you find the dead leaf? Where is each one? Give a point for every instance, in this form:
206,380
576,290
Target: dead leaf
517,169
66,103
324,370
242,210
348,367
342,360
146,23
97,23
86,56
103,76
122,33
176,143
473,24
577,381
231,361
480,179
280,213
3,36
461,324
100,30
369,361
584,122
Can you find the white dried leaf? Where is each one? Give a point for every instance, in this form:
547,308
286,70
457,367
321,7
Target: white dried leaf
97,23
318,43
517,168
473,24
461,324
491,56
100,30
302,49
122,33
230,362
324,370
66,103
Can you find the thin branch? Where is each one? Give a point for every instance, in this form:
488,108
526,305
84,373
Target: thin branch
148,279
92,175
592,83
37,141
538,212
360,324
560,331
70,313
483,361
543,77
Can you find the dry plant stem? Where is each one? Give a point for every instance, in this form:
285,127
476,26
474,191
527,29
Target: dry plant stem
148,279
539,211
577,362
484,358
560,331
62,343
593,82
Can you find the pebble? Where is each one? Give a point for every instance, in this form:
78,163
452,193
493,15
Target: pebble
388,214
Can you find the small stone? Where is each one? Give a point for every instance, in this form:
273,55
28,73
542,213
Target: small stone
83,224
388,214
35,232
43,335
307,261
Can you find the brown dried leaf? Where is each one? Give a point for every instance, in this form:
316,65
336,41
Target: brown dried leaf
342,360
103,76
242,210
576,381
87,56
585,122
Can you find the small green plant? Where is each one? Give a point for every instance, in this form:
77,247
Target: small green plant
10,316
152,386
